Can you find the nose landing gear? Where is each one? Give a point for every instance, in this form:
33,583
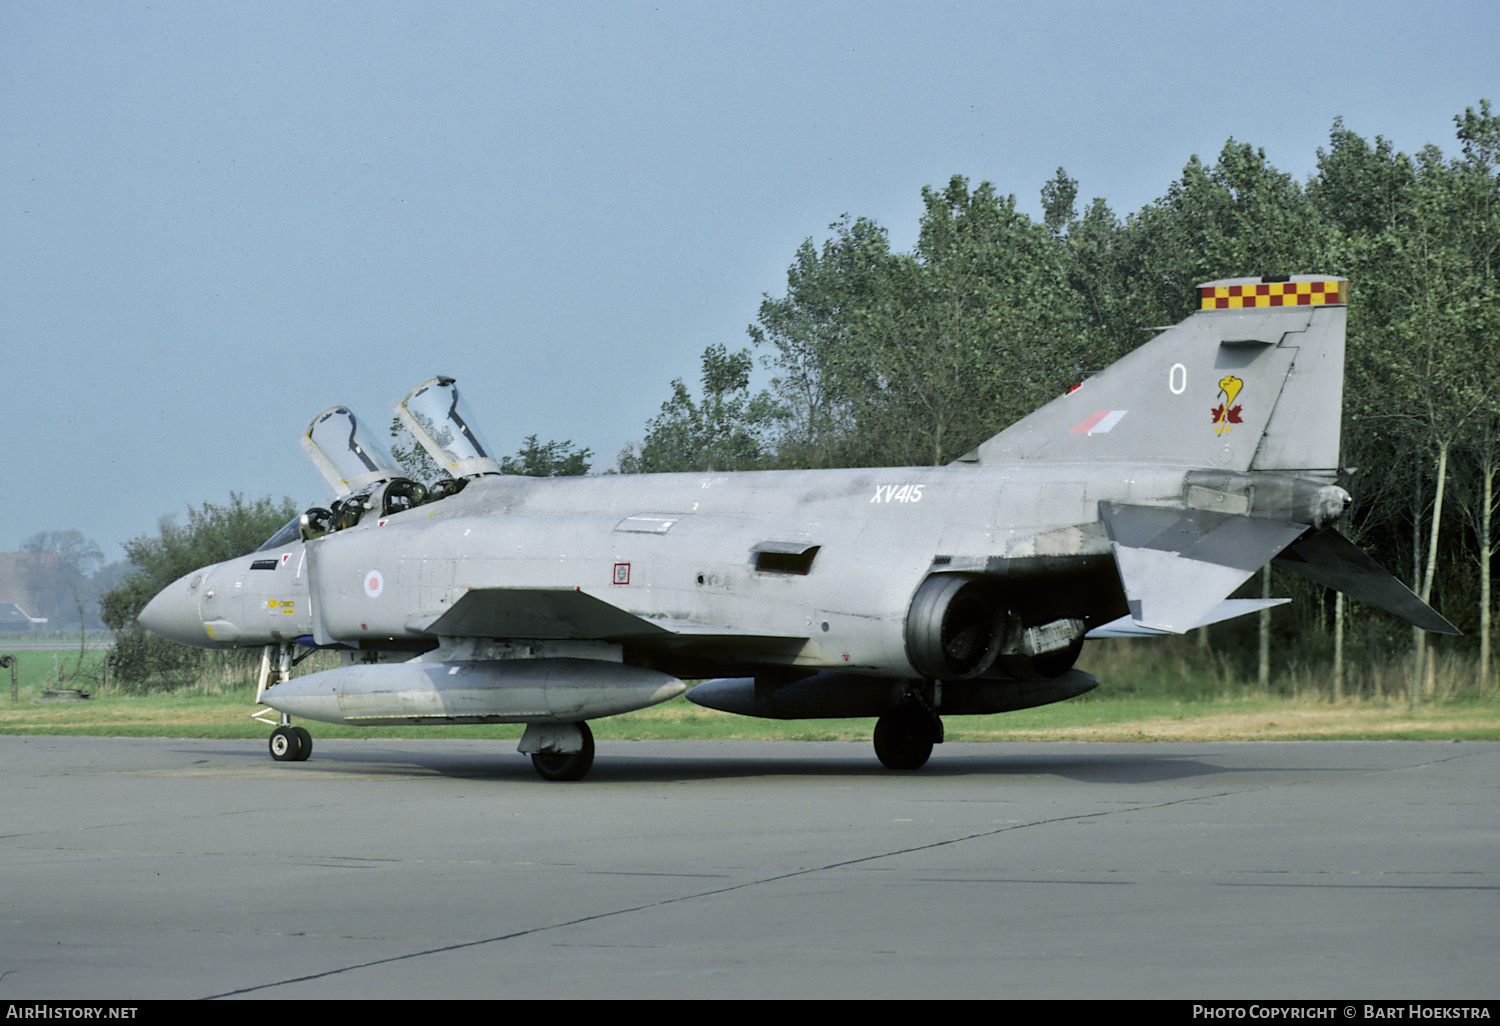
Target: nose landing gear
290,744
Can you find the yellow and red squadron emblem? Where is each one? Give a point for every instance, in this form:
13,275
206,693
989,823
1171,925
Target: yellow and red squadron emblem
1225,414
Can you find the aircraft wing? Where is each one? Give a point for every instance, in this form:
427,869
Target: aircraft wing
557,614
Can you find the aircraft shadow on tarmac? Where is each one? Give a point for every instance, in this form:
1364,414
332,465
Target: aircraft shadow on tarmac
617,765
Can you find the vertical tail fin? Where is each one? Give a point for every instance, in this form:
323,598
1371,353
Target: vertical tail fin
1253,380
1246,395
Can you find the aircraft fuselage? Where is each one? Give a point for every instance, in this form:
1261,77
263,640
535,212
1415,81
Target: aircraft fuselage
1136,503
813,569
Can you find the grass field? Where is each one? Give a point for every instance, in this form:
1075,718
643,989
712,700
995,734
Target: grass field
1163,693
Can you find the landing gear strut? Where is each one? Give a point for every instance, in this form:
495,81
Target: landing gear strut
904,736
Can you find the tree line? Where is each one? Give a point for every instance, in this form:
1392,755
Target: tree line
885,358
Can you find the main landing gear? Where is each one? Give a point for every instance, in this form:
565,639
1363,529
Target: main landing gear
557,765
290,744
904,736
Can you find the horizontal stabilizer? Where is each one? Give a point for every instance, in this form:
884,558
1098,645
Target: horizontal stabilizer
1332,560
1178,565
1125,627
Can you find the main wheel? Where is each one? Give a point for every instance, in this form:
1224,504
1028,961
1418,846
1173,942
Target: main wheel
286,744
566,765
904,738
304,745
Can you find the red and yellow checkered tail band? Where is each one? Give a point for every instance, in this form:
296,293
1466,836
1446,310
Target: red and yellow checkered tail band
1279,293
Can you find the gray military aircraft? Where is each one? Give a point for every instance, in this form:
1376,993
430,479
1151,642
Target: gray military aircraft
1134,504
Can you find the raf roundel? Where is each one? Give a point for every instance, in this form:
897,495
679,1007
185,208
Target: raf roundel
374,584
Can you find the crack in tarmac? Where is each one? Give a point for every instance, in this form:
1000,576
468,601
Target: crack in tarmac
842,864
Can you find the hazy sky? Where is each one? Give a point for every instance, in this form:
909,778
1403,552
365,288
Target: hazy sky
220,218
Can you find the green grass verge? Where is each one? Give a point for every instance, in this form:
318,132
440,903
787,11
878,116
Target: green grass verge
1143,699
1263,718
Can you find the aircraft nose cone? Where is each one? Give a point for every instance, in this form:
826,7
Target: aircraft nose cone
173,613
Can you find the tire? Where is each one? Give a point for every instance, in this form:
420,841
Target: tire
286,745
304,748
566,766
904,738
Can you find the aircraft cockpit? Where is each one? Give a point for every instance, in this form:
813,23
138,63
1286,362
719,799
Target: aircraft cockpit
438,418
355,465
364,475
345,454
289,533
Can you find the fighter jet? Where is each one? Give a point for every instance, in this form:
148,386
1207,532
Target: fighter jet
1133,505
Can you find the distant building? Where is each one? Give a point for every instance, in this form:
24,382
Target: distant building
15,595
14,618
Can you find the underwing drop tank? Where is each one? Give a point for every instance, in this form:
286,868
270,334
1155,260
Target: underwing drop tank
833,695
481,691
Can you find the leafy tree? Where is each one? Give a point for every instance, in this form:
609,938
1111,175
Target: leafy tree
1418,237
815,335
1237,218
1479,135
1058,197
724,430
891,359
996,333
549,459
1363,193
1360,189
1100,273
1476,218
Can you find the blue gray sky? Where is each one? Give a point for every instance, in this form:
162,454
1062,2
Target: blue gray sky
220,218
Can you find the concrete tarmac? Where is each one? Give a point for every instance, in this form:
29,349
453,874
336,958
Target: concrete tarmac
164,868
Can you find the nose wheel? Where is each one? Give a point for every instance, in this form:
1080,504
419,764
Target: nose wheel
290,744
